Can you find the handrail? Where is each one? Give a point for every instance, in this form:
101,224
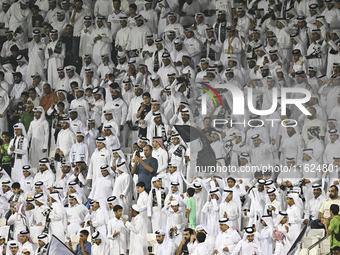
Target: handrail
317,243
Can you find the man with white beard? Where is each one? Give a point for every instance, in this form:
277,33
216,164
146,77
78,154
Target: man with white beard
38,134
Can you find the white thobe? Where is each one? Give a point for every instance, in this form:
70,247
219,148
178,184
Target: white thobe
99,220
313,207
76,125
57,217
66,139
164,71
295,219
82,107
75,216
36,55
232,210
98,159
292,147
47,177
212,210
170,248
244,247
102,46
122,37
142,202
158,217
4,103
331,93
331,151
101,249
20,18
176,219
20,158
102,189
18,224
151,18
118,244
194,47
267,241
162,157
228,238
53,62
38,134
137,38
232,47
138,237
16,91
103,8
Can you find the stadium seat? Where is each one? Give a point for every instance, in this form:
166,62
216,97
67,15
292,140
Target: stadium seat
316,233
325,246
152,240
74,240
308,241
303,252
3,222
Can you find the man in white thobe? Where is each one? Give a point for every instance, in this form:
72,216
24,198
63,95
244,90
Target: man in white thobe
100,157
227,239
138,232
165,245
38,134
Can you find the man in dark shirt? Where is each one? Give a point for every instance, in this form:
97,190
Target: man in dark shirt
182,249
83,247
143,110
68,40
147,168
208,129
